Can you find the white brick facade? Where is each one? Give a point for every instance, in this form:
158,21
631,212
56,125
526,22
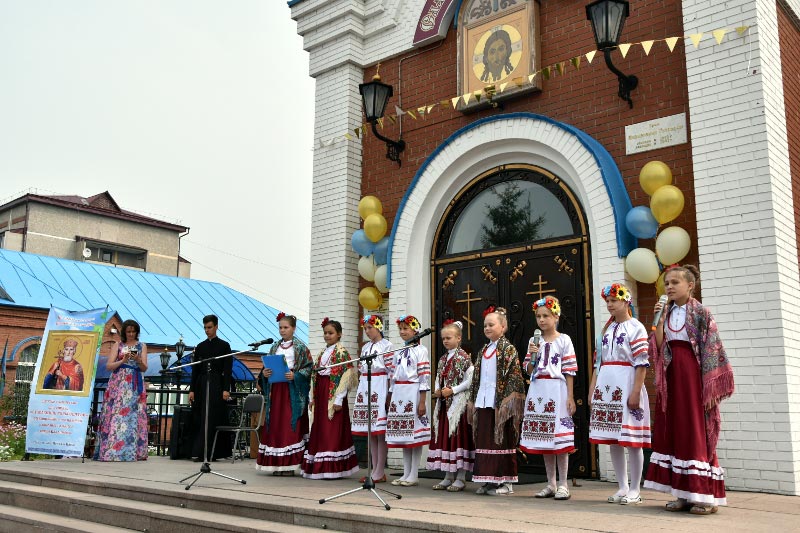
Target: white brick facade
746,238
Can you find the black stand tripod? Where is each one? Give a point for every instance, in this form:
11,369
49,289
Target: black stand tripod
205,468
369,483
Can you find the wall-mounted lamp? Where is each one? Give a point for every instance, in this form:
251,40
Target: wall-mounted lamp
608,18
375,95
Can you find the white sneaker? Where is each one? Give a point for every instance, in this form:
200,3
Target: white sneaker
483,489
503,490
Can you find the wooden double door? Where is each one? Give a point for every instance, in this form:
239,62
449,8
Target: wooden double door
514,279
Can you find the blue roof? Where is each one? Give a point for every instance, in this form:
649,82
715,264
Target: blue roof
164,306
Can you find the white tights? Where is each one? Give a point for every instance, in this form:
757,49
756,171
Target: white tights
378,451
411,457
636,463
550,461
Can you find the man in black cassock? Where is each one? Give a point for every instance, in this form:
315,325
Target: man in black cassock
219,384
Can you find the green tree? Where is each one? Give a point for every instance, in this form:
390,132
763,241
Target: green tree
511,220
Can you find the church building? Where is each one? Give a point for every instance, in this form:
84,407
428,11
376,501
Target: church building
517,132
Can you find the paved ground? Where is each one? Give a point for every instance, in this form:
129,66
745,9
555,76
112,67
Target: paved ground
586,511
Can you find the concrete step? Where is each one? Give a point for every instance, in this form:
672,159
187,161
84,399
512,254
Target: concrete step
114,510
16,519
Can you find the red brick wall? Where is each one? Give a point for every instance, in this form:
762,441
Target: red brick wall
586,98
789,33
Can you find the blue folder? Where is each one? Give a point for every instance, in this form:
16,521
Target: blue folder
277,364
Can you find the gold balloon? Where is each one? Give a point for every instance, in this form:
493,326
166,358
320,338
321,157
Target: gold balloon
375,227
369,205
370,298
653,176
660,290
666,203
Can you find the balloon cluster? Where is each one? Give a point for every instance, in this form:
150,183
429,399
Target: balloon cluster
372,245
672,243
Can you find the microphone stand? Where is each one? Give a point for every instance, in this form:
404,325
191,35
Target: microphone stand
369,483
205,468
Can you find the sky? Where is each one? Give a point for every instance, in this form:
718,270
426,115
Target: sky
198,112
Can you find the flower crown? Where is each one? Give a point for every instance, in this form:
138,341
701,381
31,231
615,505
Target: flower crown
410,320
618,291
325,321
550,303
374,320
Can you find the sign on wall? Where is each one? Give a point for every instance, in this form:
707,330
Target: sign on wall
657,133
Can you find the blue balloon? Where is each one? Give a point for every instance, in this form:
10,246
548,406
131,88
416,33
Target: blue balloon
381,251
641,222
361,244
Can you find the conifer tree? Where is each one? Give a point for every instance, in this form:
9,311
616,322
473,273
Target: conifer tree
510,223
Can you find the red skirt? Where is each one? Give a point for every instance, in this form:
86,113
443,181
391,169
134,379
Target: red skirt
280,448
494,463
330,453
451,453
680,464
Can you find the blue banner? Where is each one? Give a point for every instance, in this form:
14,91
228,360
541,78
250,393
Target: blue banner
61,401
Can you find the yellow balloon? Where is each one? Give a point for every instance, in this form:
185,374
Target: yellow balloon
370,298
666,203
660,290
375,227
653,176
369,205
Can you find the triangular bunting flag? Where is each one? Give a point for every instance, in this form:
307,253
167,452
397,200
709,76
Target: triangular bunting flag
741,29
590,56
411,114
392,118
576,62
671,42
466,98
719,35
428,109
546,73
561,67
623,49
321,143
695,37
503,86
530,78
455,101
380,123
348,136
421,111
646,46
399,111
477,95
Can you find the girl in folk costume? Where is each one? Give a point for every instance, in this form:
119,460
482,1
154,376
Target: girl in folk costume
381,369
408,426
452,448
620,407
284,434
547,426
330,453
693,375
497,397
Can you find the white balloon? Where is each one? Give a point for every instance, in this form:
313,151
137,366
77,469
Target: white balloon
366,267
380,279
672,245
642,265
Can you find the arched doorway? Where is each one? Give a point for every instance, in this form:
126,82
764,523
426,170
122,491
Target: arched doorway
512,235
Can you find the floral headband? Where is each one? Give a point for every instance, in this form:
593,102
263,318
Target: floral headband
374,320
618,291
325,321
409,320
283,315
492,309
550,303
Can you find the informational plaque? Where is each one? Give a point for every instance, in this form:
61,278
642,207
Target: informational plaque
657,133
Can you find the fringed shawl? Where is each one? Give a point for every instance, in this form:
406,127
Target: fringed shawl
509,392
298,388
717,373
454,405
343,378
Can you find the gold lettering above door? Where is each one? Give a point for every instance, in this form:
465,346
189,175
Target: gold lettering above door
450,279
539,288
563,265
468,317
488,275
517,272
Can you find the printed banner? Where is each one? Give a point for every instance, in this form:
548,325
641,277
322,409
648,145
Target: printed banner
61,401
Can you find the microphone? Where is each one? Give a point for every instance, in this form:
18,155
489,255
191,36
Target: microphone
415,339
259,343
537,336
663,302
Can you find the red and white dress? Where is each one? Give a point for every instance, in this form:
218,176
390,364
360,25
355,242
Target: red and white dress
547,426
412,373
623,349
381,373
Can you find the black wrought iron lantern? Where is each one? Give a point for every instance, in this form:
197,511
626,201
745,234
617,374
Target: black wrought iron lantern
375,95
608,19
164,356
180,347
